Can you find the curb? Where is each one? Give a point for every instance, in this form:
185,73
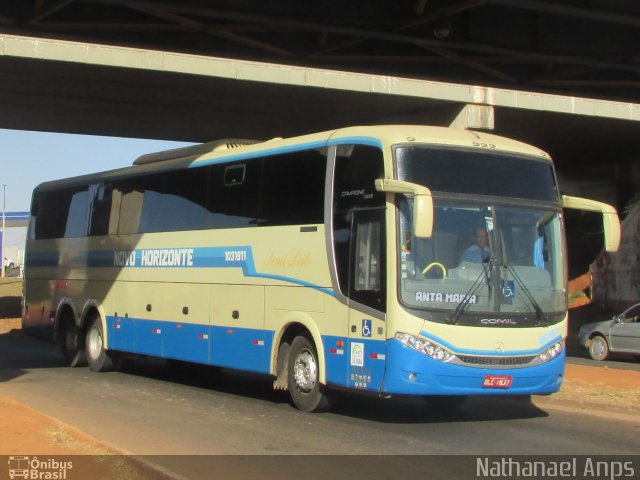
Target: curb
156,471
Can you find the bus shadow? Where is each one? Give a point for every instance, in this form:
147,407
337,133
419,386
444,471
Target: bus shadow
395,410
19,353
412,410
7,375
205,377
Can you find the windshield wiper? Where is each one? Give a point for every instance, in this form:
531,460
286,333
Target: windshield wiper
475,286
540,315
542,318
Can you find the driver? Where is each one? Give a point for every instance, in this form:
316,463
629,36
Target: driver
479,251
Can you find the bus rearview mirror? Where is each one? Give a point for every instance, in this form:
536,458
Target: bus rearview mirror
422,203
610,220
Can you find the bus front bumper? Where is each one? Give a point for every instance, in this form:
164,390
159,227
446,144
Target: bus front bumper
412,373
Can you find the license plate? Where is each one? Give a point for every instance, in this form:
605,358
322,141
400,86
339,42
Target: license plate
497,381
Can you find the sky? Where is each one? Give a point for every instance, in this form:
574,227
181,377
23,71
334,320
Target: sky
30,158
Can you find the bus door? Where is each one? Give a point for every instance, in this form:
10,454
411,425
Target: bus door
367,300
359,248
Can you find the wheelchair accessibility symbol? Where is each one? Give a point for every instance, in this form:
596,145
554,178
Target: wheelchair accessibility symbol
366,328
508,292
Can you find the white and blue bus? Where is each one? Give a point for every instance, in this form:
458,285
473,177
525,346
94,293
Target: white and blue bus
395,260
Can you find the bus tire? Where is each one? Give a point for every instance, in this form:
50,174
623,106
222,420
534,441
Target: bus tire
99,359
72,344
445,402
598,348
303,377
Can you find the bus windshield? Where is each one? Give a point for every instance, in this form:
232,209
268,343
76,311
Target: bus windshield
485,256
477,172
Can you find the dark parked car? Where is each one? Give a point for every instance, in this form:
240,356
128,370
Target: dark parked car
619,334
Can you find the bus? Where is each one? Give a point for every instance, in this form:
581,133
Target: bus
394,260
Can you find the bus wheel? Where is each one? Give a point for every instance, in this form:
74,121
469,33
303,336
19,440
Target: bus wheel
303,377
72,345
598,348
99,359
445,402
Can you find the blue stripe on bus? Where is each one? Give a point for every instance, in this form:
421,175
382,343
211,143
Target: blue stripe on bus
41,259
361,364
201,257
493,353
356,140
224,346
242,348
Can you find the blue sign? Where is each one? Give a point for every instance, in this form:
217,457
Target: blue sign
366,328
508,292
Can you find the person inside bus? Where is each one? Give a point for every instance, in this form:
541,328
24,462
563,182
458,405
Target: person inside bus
479,251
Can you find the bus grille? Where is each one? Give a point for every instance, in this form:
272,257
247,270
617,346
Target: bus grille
496,361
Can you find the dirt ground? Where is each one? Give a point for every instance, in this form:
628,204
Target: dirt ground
27,432
597,390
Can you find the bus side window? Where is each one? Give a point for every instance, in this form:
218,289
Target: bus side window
293,189
78,215
33,219
100,196
130,211
233,194
114,214
174,201
61,213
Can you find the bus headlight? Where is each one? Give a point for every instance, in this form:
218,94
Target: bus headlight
552,352
424,346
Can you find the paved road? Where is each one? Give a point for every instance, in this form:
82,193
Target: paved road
617,361
154,409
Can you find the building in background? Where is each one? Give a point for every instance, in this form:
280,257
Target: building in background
615,281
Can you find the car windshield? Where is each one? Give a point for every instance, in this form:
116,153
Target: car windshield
631,314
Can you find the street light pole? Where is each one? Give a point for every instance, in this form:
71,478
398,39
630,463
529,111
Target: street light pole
4,217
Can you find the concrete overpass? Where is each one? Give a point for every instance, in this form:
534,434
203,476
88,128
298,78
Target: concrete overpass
76,87
196,70
583,48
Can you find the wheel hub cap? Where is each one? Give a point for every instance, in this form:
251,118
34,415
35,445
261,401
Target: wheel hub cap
305,371
598,348
95,343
